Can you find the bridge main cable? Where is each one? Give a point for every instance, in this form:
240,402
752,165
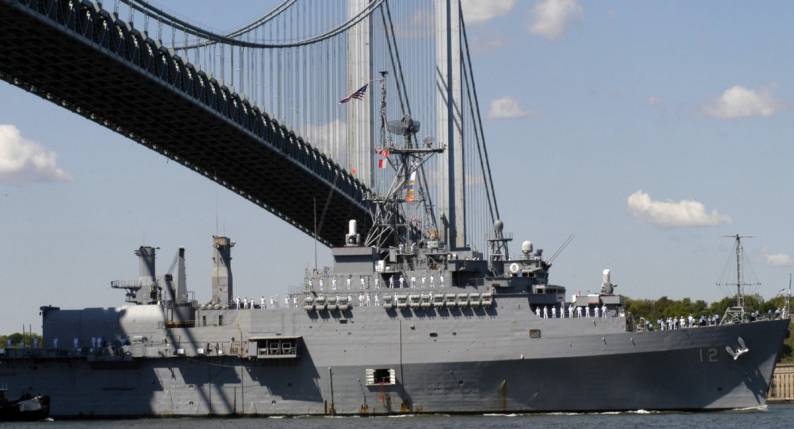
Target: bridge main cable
159,14
271,15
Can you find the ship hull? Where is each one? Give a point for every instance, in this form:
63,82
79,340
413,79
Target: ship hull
687,369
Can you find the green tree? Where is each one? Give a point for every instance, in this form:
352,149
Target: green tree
17,339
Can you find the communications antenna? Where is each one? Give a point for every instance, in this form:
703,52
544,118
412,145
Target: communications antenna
787,307
737,312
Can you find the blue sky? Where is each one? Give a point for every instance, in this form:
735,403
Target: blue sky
586,104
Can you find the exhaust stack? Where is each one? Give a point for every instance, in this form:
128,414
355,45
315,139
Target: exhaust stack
181,279
222,286
147,277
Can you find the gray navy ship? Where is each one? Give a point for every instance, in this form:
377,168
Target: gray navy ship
400,324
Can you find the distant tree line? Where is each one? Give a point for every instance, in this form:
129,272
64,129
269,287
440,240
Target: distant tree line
664,307
17,340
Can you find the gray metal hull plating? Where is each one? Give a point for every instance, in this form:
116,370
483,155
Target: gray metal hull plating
687,369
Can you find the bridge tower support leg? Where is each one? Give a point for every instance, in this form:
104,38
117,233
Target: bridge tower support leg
452,197
360,138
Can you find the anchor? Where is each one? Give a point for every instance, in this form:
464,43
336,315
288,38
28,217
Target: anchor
740,351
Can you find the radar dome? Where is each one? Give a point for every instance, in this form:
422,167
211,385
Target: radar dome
526,247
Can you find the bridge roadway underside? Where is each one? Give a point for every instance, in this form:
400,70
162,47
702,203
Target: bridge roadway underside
84,59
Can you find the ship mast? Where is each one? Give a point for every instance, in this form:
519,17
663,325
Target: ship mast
391,223
737,313
739,284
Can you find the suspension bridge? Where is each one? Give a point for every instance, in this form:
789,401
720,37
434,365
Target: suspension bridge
257,109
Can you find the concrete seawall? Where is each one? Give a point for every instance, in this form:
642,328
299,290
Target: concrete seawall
782,388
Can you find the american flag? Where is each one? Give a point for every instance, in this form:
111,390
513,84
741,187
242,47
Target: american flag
358,95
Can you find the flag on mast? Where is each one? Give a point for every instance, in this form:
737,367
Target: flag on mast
410,191
385,154
358,94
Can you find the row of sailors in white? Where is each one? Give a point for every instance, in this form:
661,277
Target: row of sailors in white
10,343
673,323
572,311
96,343
250,304
392,283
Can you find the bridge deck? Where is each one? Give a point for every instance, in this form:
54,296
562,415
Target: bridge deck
84,59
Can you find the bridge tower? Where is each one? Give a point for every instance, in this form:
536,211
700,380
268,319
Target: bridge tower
452,198
360,139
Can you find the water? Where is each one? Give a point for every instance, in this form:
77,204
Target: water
775,416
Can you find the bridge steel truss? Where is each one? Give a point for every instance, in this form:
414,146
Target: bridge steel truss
83,58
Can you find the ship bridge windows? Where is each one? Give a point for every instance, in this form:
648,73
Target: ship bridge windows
381,376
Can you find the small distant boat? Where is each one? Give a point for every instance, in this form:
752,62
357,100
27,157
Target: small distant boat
27,408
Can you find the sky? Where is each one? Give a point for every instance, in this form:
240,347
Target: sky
649,130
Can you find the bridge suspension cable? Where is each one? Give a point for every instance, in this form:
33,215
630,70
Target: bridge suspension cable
480,137
162,16
253,26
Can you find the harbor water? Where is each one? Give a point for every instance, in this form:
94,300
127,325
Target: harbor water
773,416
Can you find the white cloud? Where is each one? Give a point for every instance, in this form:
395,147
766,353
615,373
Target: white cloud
506,108
475,11
740,102
655,101
673,214
486,44
780,260
550,17
24,161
